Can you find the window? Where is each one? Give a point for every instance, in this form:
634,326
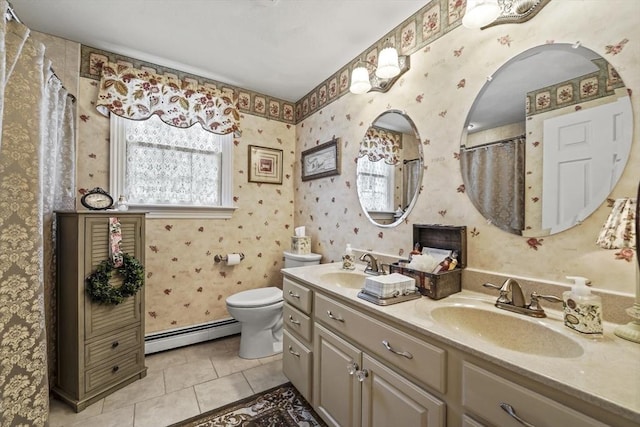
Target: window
375,185
170,171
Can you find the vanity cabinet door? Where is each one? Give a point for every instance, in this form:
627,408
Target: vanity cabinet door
296,364
388,399
336,393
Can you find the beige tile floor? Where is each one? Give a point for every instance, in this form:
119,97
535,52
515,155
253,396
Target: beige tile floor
180,384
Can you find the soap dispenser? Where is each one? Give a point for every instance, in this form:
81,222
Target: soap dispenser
348,263
582,309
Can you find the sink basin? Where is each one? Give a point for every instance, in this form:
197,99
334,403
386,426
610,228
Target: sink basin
504,330
344,279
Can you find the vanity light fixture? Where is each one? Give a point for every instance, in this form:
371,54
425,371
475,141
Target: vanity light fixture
487,13
389,68
480,13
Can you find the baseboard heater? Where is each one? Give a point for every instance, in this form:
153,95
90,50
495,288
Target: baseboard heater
181,337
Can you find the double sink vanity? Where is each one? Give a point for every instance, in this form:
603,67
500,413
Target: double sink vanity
458,361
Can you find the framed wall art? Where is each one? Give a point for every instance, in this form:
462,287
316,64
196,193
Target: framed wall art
321,161
265,165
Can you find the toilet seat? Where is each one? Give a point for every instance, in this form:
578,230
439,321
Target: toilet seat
256,297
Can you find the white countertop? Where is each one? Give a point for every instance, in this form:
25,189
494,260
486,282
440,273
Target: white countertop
606,374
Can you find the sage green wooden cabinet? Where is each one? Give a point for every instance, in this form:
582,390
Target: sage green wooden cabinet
100,348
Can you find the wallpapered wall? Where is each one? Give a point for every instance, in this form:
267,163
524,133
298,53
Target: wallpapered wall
185,286
437,93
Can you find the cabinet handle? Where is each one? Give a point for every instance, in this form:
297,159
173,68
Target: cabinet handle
292,351
294,321
512,413
406,354
115,369
352,367
115,344
331,316
294,295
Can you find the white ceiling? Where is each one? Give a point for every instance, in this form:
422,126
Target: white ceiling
281,48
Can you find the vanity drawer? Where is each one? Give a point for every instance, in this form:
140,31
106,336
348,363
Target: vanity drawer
297,322
483,392
417,358
297,295
296,364
106,348
114,371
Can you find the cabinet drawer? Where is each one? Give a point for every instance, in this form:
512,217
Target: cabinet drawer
483,392
296,364
417,358
106,348
111,373
297,322
297,295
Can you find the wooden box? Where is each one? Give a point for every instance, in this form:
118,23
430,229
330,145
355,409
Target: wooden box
437,286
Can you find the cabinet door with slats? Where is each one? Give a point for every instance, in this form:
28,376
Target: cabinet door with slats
100,318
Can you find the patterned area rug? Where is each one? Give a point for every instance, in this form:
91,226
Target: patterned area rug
280,406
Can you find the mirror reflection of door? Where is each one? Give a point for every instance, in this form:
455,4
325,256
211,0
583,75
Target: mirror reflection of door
582,162
554,80
389,169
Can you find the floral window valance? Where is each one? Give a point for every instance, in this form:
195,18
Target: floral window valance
138,94
381,144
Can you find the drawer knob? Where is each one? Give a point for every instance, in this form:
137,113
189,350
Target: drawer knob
292,351
406,354
331,316
115,369
294,321
352,367
294,295
115,344
362,374
512,413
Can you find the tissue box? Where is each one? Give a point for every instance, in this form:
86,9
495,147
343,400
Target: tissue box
437,286
390,285
301,245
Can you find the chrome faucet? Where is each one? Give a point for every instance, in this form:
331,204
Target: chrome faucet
511,298
372,263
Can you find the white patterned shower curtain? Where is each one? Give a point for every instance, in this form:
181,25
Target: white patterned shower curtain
37,174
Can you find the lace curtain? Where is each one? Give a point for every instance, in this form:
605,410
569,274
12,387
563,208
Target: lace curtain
375,185
169,165
138,94
494,179
381,144
411,179
36,171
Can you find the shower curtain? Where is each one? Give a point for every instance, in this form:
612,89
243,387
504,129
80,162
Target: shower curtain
494,179
37,158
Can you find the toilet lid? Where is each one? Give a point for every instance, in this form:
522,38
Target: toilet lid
256,297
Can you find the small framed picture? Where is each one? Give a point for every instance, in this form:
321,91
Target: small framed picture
265,165
321,161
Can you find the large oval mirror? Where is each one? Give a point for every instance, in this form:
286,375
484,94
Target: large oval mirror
546,140
389,168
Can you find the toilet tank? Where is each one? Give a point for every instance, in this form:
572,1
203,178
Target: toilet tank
300,260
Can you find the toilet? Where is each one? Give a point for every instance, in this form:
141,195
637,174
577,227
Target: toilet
259,312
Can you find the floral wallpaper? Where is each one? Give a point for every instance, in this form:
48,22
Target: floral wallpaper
184,286
437,92
449,66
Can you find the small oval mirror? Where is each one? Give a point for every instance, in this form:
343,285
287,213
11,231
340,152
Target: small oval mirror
389,168
546,140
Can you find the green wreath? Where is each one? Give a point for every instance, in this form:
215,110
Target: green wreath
101,291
